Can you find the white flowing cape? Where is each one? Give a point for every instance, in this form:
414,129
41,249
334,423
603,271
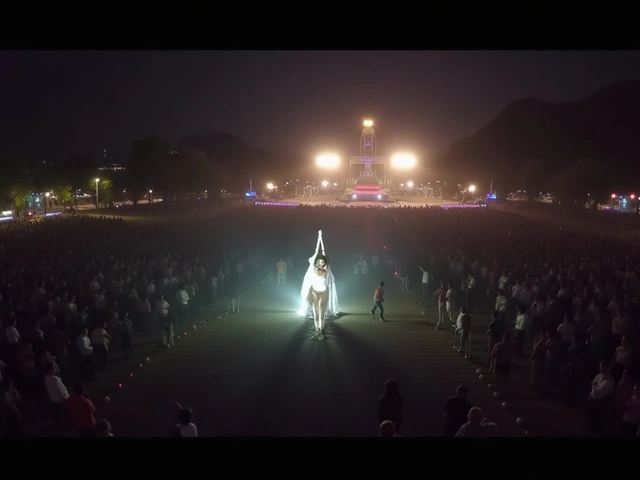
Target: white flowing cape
333,310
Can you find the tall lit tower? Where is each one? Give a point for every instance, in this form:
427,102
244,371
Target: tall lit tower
368,140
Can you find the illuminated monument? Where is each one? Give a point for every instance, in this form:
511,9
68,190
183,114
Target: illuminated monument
366,167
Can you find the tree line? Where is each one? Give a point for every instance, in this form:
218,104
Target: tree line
152,165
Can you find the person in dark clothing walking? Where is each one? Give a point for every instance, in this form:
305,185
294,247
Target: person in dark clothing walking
391,404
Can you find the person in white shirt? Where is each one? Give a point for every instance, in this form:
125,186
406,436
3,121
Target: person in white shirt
622,358
503,282
501,304
100,300
161,308
11,334
425,282
478,425
515,292
71,310
566,330
57,393
619,324
185,428
100,342
601,398
94,286
83,344
521,330
526,296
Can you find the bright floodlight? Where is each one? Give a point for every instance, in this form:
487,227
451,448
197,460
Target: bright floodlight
325,184
97,180
403,160
328,160
368,123
270,186
410,184
472,188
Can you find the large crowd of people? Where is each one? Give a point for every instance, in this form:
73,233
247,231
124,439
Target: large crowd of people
73,289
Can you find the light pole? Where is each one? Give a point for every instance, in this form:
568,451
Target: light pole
150,198
46,201
97,198
472,191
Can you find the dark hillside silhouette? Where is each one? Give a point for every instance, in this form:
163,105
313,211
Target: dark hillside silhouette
603,128
238,157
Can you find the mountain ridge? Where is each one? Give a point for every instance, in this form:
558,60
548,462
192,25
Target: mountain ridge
603,127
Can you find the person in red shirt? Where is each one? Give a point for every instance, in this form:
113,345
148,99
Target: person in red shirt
82,412
378,300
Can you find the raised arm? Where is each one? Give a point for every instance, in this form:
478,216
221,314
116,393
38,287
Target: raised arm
318,244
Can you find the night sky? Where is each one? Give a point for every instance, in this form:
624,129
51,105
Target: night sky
55,104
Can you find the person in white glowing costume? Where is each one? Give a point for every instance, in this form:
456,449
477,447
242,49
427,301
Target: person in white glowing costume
319,292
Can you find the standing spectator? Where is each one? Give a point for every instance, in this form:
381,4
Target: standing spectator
391,404
82,412
455,411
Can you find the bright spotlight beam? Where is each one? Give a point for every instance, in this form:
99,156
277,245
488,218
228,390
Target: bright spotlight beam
403,161
328,160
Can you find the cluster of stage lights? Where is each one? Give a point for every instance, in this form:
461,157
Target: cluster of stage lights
400,161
